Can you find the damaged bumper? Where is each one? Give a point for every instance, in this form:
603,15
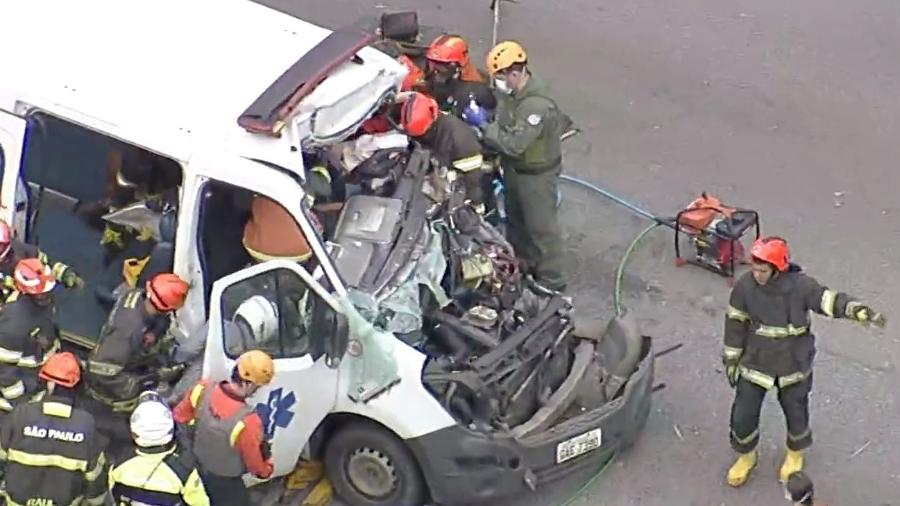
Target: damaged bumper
463,466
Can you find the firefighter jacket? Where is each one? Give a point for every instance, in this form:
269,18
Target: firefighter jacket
52,455
768,329
28,334
21,250
453,143
454,95
228,434
526,130
124,357
163,476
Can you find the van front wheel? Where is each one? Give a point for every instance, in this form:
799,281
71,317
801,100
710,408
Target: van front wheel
368,466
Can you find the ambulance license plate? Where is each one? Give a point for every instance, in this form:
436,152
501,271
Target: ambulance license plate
578,445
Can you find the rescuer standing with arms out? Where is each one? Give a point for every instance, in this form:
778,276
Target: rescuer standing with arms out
526,132
769,344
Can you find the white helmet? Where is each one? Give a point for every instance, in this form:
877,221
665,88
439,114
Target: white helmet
151,422
260,315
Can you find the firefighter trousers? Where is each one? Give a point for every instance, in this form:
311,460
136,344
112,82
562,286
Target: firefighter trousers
748,399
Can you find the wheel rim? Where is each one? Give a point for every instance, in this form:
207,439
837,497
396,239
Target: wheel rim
372,473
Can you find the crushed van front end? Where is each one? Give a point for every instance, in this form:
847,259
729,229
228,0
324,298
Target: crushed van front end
464,465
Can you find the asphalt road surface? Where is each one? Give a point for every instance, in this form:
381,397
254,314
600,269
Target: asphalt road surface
786,107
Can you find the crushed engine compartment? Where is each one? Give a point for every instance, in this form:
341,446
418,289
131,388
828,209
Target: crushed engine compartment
503,352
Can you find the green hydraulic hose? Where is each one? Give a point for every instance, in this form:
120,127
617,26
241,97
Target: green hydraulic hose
590,482
617,302
620,271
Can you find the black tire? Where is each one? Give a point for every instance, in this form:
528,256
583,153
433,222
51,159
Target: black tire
372,448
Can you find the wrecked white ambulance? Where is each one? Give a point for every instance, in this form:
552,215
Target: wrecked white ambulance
423,366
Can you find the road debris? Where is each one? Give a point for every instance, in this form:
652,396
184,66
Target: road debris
861,449
838,199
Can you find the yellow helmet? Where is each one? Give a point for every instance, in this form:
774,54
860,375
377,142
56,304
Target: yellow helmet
256,366
505,55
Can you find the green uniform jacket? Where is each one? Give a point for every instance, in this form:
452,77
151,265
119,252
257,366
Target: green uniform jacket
526,130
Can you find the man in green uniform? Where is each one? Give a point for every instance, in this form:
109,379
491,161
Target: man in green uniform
526,133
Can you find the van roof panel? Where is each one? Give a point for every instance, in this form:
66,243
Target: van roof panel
191,65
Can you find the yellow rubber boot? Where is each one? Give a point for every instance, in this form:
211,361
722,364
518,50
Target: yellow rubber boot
740,470
304,475
793,463
320,495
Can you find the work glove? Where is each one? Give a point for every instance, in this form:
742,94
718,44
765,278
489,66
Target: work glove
732,369
475,115
112,238
167,374
70,279
265,448
868,316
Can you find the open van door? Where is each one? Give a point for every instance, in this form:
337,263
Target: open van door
13,198
277,307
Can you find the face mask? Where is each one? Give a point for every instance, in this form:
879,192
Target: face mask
502,86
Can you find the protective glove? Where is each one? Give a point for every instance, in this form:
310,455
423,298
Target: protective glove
732,369
167,374
265,448
70,279
868,316
475,115
112,238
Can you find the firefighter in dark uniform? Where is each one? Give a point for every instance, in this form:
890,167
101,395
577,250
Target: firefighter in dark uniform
28,332
526,132
453,80
451,140
13,250
156,471
769,343
51,448
128,353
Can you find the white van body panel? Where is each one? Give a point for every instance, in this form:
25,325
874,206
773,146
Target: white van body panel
172,76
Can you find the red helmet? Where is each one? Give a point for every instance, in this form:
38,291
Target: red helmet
61,368
414,74
773,250
6,238
448,49
167,291
418,113
32,277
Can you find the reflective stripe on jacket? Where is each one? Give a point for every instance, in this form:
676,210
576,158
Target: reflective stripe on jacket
163,477
52,455
768,326
215,437
24,325
116,366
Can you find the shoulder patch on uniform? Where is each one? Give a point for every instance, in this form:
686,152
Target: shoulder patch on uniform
534,119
